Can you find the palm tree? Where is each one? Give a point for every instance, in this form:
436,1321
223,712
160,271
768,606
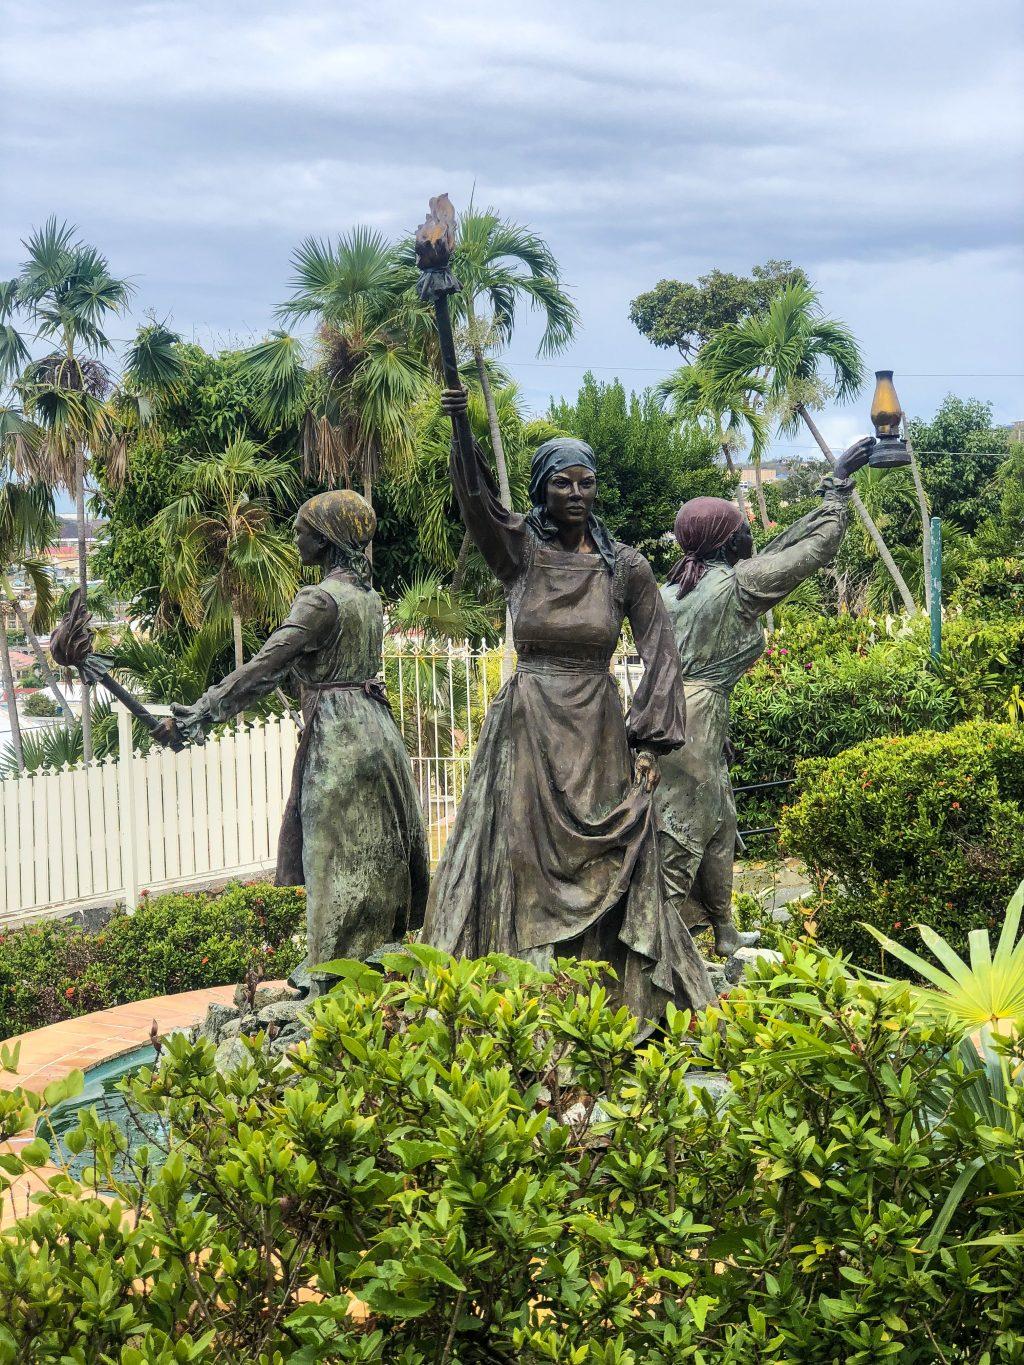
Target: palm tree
66,292
725,414
26,523
501,265
425,493
227,556
788,344
354,405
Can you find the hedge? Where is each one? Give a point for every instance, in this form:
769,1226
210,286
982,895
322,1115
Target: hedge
177,942
926,828
823,686
480,1154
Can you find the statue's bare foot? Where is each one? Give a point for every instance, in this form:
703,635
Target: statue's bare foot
728,938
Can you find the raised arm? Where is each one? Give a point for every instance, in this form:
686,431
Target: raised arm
312,617
803,548
657,717
498,533
806,546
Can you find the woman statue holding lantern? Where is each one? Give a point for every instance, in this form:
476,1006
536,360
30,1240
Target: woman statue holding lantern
553,851
353,830
716,595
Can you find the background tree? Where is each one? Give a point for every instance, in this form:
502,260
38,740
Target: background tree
648,462
685,315
790,344
66,292
960,453
27,523
352,402
727,417
226,555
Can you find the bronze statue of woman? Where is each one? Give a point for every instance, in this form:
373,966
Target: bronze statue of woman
553,851
716,595
353,829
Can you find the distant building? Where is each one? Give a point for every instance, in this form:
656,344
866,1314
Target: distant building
771,472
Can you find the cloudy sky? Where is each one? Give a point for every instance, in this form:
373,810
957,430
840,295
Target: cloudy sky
879,145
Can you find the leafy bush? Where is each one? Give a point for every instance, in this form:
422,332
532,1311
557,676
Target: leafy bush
926,828
992,588
822,686
178,942
39,703
429,1152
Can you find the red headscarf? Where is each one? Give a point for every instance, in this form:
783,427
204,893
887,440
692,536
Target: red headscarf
703,526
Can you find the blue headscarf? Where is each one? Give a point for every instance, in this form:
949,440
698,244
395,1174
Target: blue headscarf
553,456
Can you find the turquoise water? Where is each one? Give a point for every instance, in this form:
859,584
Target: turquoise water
102,1094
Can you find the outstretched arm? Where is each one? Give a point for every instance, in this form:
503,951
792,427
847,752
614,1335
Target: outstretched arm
312,617
498,533
806,546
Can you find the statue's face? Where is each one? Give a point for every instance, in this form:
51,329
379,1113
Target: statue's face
309,543
569,495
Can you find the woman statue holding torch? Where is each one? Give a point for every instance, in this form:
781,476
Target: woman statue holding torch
553,853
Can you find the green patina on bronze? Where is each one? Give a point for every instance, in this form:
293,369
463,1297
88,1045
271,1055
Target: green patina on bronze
719,635
353,830
553,852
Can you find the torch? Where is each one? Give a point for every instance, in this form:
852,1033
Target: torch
71,647
435,242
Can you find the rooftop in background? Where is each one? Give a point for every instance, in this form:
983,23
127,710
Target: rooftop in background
772,471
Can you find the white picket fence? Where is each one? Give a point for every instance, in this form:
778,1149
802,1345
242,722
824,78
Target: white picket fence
92,836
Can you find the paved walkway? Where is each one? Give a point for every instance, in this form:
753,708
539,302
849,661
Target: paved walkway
50,1053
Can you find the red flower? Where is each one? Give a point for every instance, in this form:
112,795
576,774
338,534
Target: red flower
955,805
70,992
205,961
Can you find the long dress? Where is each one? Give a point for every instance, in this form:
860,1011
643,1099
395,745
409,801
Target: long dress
353,828
553,850
718,635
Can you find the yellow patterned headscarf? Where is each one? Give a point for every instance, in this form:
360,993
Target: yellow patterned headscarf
348,522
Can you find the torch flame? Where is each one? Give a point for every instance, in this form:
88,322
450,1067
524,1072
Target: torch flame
71,640
435,237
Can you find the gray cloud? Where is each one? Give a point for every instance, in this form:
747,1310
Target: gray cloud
879,145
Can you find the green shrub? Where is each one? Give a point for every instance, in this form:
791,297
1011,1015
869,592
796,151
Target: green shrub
429,1152
992,588
922,829
822,686
40,703
177,942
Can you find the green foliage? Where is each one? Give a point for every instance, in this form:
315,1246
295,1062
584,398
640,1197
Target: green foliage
983,995
826,683
685,315
177,942
960,453
215,400
924,828
992,587
647,463
40,703
430,1152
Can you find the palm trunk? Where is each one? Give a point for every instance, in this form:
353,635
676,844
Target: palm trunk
909,605
741,498
762,506
44,664
83,583
236,632
368,495
499,459
10,697
926,519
